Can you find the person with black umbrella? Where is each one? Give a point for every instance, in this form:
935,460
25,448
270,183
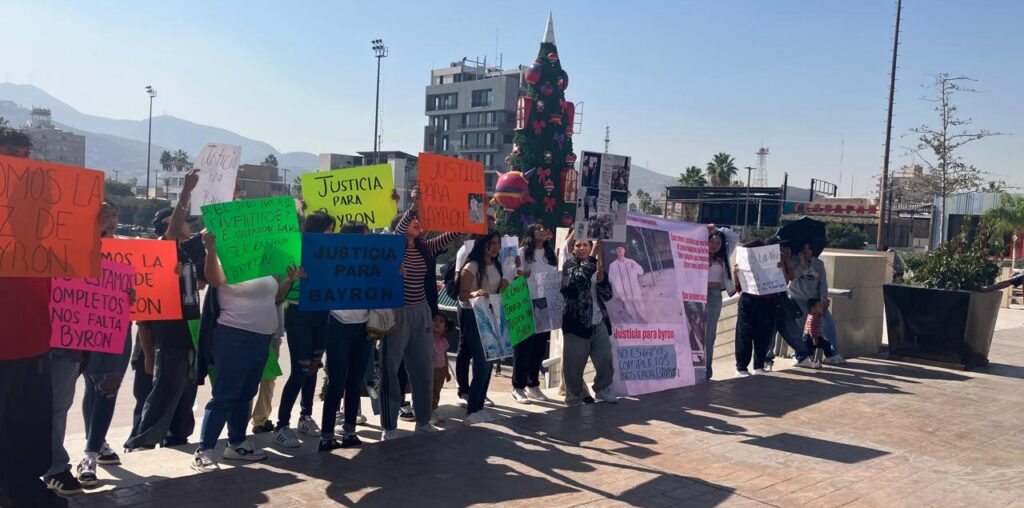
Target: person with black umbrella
810,280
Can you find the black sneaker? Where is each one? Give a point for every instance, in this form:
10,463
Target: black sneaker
351,441
406,414
329,445
588,400
63,483
267,426
108,457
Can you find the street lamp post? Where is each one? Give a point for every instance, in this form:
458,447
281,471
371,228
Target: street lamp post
746,205
380,51
149,139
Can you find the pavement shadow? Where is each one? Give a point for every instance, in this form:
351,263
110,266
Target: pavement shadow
239,487
901,371
1002,370
817,448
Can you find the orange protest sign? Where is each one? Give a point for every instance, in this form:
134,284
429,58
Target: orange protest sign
452,197
48,225
157,293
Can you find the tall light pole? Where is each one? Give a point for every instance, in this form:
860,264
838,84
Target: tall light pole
882,239
746,206
380,51
149,140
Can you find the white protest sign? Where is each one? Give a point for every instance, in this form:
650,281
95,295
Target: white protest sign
759,268
491,324
218,172
546,296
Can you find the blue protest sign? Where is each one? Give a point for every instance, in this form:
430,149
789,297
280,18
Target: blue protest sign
351,271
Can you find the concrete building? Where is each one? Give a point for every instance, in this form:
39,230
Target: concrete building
404,170
258,181
471,110
172,178
51,144
329,161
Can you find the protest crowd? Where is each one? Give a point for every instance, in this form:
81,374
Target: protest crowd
252,280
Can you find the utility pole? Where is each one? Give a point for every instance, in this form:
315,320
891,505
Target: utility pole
380,51
115,175
149,140
881,239
287,182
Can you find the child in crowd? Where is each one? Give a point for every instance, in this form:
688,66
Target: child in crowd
441,373
813,337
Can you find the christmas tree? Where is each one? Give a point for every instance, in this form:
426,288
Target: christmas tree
541,183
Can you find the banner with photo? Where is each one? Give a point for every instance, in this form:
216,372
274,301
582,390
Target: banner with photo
604,191
659,278
546,297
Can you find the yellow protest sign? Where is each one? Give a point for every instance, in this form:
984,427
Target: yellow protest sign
360,194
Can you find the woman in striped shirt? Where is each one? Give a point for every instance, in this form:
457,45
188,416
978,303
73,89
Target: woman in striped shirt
412,339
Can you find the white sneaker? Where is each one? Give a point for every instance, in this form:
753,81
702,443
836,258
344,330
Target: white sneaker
742,373
427,428
835,360
606,395
244,451
816,364
488,402
286,437
86,470
204,462
360,420
519,396
389,435
806,363
463,400
760,372
482,416
534,393
308,426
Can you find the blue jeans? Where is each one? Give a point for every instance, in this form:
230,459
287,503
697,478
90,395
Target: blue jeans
306,334
828,325
348,352
481,367
714,311
166,417
103,374
240,357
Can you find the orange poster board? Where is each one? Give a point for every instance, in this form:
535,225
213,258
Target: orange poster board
157,293
452,197
48,225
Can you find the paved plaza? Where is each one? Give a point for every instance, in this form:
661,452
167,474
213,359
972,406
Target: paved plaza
871,433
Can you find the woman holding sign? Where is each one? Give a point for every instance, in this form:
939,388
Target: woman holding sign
245,323
412,341
307,338
719,279
585,324
481,277
538,256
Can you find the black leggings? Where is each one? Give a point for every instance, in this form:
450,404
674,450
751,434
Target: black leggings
755,324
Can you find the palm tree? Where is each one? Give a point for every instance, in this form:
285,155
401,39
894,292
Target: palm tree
180,155
165,158
1007,219
692,177
270,160
721,169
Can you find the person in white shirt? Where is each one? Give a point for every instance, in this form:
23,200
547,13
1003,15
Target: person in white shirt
624,273
536,256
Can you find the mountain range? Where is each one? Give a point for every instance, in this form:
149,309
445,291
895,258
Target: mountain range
118,146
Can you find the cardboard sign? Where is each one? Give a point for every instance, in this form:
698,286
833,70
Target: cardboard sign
759,268
351,271
603,195
360,194
518,310
91,313
48,225
218,174
493,328
255,237
452,196
546,299
157,293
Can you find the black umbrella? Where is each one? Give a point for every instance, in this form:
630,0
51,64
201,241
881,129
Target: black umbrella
804,231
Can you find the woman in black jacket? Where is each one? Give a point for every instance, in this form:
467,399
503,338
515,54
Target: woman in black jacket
585,325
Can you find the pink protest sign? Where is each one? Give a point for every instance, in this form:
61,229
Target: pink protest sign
91,313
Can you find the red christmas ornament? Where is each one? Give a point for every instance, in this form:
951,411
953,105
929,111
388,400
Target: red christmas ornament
570,159
553,57
533,73
512,190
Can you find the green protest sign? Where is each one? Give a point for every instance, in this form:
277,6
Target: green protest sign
518,310
271,370
255,237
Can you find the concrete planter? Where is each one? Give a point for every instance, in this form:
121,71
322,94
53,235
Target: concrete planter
946,328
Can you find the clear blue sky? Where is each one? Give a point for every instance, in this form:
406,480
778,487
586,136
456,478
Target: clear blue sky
676,80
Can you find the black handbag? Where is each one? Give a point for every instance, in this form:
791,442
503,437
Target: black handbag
790,308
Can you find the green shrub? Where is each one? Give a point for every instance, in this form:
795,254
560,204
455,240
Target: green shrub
845,236
953,266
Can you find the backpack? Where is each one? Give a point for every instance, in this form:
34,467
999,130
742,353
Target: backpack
451,280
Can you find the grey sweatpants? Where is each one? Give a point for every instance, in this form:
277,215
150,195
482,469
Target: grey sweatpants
412,342
575,351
